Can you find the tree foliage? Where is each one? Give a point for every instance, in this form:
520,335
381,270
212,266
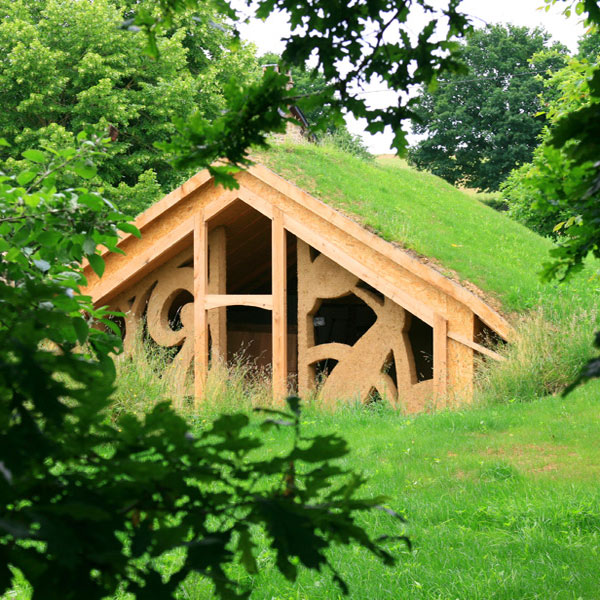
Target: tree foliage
540,193
71,66
350,44
481,125
89,507
326,124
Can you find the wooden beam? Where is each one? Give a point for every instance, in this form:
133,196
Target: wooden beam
461,339
440,356
200,316
279,291
133,270
217,284
264,301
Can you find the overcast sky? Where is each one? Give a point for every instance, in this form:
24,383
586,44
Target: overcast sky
268,35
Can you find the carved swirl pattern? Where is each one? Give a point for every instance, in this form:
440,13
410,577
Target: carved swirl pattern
151,300
361,368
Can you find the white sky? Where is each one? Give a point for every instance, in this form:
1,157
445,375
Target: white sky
268,35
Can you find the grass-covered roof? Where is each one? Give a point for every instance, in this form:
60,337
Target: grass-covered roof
421,212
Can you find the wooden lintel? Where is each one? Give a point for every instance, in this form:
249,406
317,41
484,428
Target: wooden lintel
461,339
264,301
200,315
440,356
221,203
279,290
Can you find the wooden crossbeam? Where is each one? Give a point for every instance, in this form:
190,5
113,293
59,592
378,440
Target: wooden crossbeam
461,339
264,301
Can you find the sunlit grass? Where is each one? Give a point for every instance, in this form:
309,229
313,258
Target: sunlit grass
425,214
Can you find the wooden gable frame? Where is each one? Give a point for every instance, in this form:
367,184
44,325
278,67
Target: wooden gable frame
181,219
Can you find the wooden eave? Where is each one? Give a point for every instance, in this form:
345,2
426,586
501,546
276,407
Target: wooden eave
167,228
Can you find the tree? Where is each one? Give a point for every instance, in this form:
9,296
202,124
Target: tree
481,125
70,67
349,44
88,507
540,193
326,124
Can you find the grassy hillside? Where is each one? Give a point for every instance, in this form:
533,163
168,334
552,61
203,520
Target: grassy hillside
425,214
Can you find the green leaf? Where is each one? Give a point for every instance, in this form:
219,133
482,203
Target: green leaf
91,201
25,177
97,264
130,228
36,156
81,329
3,142
84,170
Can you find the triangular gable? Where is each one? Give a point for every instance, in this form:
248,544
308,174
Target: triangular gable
171,223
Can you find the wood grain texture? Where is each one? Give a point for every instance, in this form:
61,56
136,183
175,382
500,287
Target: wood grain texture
279,291
200,316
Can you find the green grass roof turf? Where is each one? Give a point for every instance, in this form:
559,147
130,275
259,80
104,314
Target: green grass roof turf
425,214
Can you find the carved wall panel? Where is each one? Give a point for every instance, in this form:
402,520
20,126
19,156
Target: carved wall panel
363,367
156,304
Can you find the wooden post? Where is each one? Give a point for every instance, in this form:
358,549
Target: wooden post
217,284
200,316
440,356
279,292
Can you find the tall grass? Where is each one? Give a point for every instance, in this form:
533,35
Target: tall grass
551,345
142,383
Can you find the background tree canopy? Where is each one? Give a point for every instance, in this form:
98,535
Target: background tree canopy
327,124
540,193
71,66
481,125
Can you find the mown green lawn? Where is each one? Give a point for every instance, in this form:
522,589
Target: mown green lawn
502,502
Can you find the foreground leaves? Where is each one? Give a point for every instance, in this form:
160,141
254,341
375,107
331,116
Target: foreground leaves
88,507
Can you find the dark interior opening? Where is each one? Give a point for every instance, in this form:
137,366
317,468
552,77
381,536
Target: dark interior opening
249,335
421,340
343,320
389,367
182,298
323,369
487,337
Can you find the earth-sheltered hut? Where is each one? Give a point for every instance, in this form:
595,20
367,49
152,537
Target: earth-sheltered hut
299,286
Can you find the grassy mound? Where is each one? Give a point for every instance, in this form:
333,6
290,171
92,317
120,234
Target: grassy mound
429,216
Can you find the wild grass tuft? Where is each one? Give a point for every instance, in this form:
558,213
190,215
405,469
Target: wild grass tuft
551,345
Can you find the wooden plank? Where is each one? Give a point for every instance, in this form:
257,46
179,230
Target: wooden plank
217,284
255,201
279,291
264,301
200,315
354,266
440,356
461,339
136,268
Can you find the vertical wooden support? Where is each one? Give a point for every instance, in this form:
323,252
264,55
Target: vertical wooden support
440,356
200,314
279,291
217,284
